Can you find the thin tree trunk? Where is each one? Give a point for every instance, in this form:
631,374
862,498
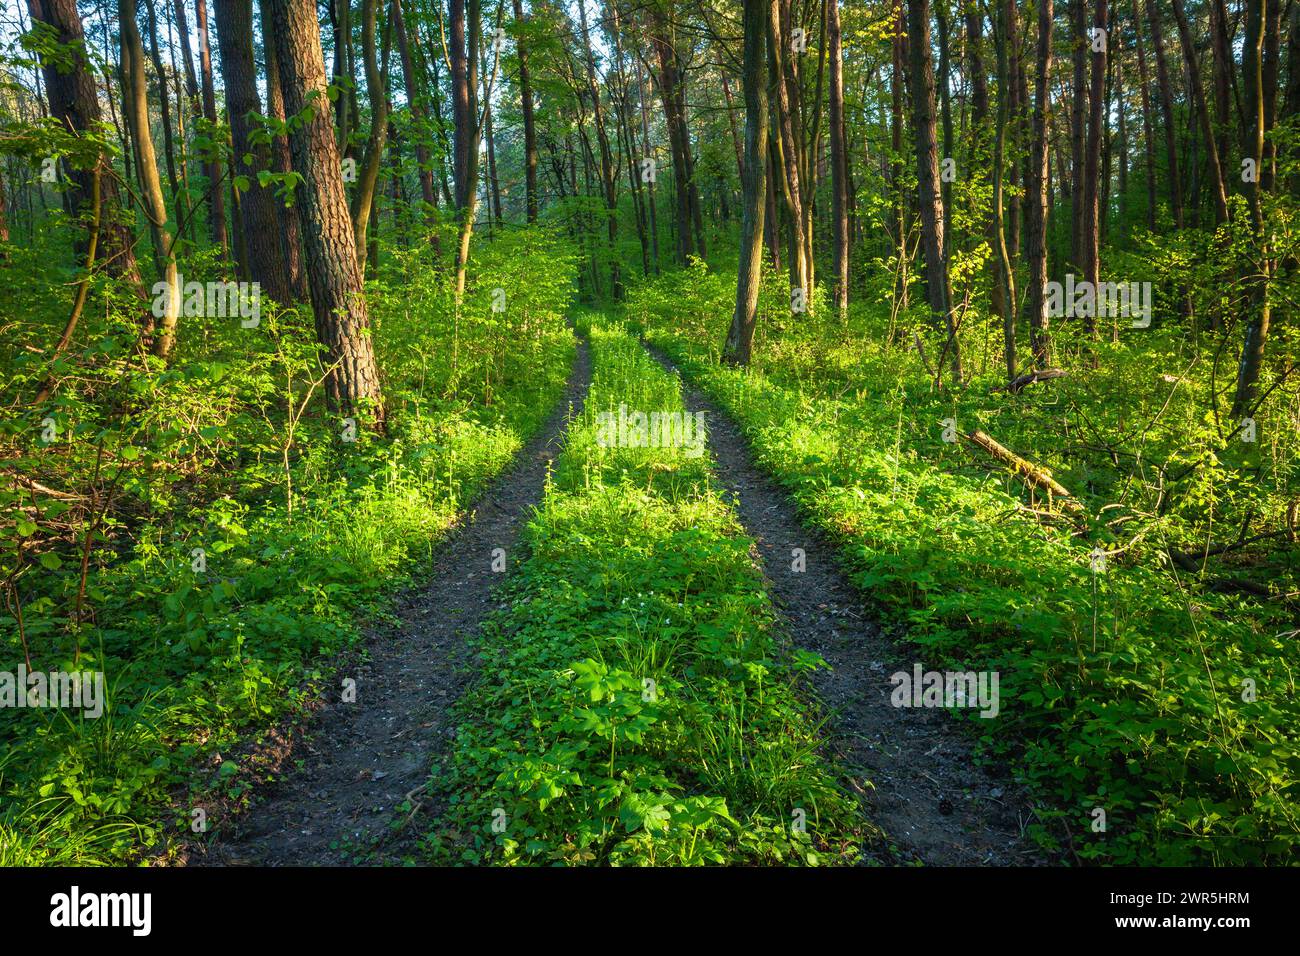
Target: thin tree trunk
927,161
363,197
1036,300
1097,122
135,107
1148,138
530,132
1167,111
839,160
1203,111
212,166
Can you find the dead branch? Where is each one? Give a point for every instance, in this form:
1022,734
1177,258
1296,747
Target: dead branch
1035,475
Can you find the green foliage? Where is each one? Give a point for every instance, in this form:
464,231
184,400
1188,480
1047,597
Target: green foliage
1126,687
232,536
636,706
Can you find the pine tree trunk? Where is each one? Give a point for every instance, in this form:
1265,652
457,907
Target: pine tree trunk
342,321
740,338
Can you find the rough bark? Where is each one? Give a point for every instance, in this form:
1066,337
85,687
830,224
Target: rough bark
257,204
342,321
740,337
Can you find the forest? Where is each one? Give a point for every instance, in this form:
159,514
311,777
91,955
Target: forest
660,433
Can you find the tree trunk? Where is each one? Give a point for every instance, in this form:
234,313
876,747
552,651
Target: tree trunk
211,165
415,102
1090,233
1258,271
363,197
1203,111
135,107
1147,135
257,205
608,171
740,337
342,321
1167,111
74,102
839,161
788,155
281,162
530,132
466,32
927,162
1036,304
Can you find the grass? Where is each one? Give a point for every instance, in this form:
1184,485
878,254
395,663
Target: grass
637,705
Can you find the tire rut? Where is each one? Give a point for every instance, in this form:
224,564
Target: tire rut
913,768
361,761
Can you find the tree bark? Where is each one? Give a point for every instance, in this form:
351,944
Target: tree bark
927,161
363,197
135,107
257,205
1167,111
839,160
211,165
740,337
530,131
342,321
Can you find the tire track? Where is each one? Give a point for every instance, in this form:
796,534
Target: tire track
364,760
914,768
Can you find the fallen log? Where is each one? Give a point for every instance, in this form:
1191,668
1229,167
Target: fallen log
1020,383
1039,477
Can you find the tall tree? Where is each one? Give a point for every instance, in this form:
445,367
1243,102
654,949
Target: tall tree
257,206
526,106
839,159
1166,111
342,320
408,42
363,197
740,337
926,140
1036,298
135,107
1090,231
212,163
74,103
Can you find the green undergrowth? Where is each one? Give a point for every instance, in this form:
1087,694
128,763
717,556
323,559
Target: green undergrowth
243,535
1151,709
635,705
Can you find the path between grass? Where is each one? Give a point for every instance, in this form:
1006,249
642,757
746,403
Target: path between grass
914,768
365,765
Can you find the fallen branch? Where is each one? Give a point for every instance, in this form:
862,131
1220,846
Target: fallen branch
1191,560
1020,383
1039,477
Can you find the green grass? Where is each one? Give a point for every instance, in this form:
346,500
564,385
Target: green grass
302,539
1127,687
636,705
